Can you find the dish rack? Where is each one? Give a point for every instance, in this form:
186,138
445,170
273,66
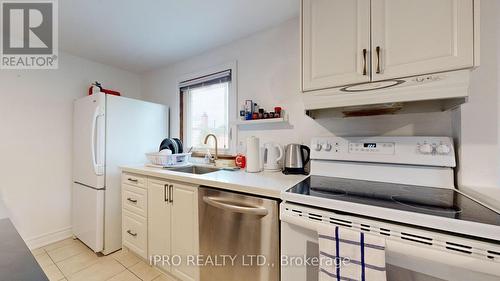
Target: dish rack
169,160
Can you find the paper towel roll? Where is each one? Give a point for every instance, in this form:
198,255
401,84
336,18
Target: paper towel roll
253,155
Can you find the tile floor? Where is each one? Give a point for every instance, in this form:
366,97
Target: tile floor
71,260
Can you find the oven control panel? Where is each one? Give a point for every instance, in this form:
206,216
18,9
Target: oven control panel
372,147
429,151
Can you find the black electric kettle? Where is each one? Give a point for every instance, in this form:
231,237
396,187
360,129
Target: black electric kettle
296,158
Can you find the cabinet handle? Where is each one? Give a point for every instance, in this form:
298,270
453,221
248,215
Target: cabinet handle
171,194
165,195
131,233
132,200
365,52
133,180
378,60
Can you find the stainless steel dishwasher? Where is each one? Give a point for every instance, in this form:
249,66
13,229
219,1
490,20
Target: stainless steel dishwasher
242,227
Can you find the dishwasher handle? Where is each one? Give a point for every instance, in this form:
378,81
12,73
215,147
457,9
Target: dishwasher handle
233,206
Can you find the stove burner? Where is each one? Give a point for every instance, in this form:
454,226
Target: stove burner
434,208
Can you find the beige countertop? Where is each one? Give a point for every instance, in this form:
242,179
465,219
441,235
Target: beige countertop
269,184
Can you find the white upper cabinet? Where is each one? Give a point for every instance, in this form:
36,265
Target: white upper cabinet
346,42
335,43
411,37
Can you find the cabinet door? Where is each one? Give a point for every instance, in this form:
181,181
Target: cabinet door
185,228
134,233
412,37
335,43
159,219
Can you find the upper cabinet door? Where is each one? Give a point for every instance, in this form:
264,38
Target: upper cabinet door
411,37
335,43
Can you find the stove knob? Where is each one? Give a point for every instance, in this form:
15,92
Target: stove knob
420,79
443,149
425,148
318,147
327,147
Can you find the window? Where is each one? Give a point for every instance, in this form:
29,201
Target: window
206,108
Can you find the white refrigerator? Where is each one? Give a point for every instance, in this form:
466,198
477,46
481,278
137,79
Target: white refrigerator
108,131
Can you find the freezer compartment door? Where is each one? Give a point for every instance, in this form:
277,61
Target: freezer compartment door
89,140
88,216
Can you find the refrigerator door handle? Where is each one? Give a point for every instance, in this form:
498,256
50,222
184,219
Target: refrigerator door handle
97,167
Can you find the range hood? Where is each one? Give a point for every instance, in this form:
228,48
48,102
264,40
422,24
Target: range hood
425,93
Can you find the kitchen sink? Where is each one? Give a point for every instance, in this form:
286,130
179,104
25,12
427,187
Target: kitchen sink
198,170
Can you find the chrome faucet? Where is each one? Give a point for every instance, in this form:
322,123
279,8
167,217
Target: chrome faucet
215,138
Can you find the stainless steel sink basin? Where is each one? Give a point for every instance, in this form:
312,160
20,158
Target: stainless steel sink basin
198,170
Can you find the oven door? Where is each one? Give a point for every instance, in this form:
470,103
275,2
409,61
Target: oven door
404,260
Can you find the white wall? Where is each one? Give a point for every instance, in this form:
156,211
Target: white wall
36,140
479,131
269,73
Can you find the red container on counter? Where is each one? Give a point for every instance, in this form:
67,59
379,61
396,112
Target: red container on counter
240,161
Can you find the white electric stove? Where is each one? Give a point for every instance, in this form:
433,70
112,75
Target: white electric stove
401,188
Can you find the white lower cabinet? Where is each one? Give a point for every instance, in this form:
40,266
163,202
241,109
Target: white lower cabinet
170,229
134,233
185,228
134,211
159,220
135,199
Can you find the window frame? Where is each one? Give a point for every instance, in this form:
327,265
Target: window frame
232,110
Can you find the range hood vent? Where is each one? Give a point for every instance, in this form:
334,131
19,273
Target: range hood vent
428,93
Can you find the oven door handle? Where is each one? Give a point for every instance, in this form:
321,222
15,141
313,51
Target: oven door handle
233,206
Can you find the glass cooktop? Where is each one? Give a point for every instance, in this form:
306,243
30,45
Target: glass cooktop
441,202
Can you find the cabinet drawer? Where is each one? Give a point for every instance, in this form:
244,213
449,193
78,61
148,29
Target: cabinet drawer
134,180
135,199
134,233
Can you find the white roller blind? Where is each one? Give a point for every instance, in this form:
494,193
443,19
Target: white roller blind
215,78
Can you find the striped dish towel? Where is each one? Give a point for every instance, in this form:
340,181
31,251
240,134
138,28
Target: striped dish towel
350,255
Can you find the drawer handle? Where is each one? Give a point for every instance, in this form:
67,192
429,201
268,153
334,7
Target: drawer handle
131,233
133,180
132,200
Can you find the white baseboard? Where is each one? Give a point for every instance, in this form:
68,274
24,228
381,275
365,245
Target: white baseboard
48,238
